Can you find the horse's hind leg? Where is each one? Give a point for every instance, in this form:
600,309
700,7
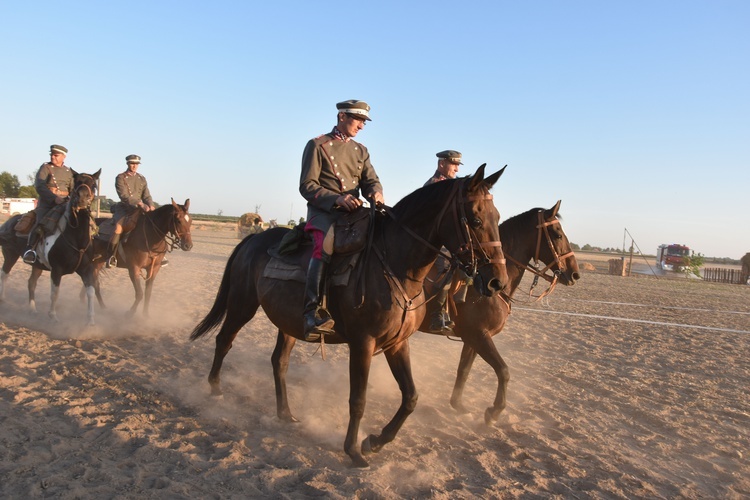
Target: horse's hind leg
280,363
8,264
3,279
468,355
400,364
54,295
236,318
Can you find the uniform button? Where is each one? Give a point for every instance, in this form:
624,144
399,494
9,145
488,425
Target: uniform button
330,143
335,164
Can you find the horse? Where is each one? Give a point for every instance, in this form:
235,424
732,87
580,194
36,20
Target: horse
535,235
456,213
156,233
67,250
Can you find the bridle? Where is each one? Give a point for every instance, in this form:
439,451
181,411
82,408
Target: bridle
172,236
75,208
468,240
557,259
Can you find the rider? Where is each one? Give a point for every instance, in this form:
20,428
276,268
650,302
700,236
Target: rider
334,170
54,183
440,321
135,198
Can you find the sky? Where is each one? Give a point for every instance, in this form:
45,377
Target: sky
635,114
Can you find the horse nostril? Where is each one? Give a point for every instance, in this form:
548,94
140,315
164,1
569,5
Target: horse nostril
576,276
495,286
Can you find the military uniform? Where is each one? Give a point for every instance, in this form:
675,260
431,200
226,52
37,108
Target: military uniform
132,190
333,165
51,182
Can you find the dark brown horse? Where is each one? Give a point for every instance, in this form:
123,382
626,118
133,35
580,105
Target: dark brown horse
155,233
458,214
67,250
531,237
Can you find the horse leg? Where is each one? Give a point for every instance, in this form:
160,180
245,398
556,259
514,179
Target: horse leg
89,283
400,364
487,350
236,318
147,297
135,279
33,278
55,279
280,362
360,359
468,355
8,264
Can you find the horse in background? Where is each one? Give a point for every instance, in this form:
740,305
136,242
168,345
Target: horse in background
745,261
143,249
456,213
66,250
535,235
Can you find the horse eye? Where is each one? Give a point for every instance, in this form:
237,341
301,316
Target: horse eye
476,222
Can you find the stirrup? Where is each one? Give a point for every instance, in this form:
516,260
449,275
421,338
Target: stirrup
164,263
111,262
29,257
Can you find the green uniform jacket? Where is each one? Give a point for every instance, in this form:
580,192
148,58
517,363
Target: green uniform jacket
51,181
132,189
330,168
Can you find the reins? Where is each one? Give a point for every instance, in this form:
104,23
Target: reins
558,259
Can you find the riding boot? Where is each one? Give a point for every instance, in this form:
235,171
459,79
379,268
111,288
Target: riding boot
317,321
29,256
440,322
114,242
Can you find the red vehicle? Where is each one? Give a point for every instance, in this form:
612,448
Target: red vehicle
671,257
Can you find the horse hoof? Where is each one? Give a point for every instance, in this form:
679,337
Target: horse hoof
489,416
359,462
459,407
366,446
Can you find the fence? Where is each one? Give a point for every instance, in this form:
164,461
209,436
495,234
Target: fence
719,275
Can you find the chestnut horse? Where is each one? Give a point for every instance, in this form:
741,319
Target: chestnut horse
533,236
457,213
144,248
67,250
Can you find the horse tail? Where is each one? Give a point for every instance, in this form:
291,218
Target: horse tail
219,310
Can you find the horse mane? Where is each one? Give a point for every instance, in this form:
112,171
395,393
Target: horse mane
518,225
414,202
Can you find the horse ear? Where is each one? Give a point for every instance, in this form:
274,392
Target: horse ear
173,203
75,174
555,208
96,175
492,179
477,178
187,204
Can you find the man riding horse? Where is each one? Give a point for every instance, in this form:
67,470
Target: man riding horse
53,182
135,199
334,170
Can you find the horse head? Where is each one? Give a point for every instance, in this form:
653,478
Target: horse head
180,225
557,253
472,235
84,190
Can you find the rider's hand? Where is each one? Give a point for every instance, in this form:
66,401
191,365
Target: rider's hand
377,197
348,202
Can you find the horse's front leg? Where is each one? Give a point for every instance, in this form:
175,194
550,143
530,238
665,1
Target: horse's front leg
487,350
89,280
147,297
55,279
33,278
3,279
468,355
400,364
136,280
280,362
360,359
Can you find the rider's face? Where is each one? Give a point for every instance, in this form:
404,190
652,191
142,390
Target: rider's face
448,169
132,167
57,159
350,125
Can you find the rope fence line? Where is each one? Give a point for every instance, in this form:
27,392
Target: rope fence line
630,320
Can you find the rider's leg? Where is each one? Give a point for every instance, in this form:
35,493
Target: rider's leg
316,320
29,256
114,242
440,322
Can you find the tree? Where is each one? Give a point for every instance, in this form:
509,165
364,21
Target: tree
692,264
28,192
9,185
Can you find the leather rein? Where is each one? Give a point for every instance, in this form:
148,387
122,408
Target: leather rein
75,210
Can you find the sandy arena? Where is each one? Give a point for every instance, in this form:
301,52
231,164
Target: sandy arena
620,388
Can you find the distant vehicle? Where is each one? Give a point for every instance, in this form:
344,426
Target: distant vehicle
671,257
14,206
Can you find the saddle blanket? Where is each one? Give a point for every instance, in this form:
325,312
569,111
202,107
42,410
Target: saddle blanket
340,270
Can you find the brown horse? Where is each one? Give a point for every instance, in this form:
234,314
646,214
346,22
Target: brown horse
745,260
533,236
156,233
67,250
458,214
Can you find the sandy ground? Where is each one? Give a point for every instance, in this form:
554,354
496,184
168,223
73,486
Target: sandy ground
621,388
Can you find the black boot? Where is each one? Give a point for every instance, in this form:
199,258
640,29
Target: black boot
440,322
29,256
317,321
112,251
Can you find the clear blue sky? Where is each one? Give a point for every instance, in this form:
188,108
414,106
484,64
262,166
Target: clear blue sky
636,114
